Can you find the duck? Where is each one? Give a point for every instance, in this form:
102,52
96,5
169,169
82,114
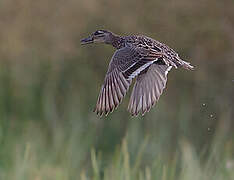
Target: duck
139,58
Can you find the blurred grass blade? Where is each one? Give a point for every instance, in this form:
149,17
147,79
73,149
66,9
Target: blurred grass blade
96,175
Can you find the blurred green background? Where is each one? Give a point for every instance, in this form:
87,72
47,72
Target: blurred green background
49,85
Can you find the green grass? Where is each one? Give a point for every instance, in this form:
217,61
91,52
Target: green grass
31,154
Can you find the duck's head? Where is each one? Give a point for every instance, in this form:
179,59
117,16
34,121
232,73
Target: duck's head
99,36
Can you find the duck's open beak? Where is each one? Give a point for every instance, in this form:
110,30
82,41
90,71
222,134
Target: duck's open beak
87,40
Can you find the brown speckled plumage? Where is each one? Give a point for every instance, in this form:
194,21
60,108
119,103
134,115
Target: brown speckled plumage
139,57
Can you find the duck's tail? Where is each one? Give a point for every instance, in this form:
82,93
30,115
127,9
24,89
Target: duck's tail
186,65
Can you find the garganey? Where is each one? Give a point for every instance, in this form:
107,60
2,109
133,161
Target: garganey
140,57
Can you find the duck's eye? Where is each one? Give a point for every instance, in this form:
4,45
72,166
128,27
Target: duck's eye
98,32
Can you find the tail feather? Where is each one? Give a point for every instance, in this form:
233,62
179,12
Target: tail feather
186,65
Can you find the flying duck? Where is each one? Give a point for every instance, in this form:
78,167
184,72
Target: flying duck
136,56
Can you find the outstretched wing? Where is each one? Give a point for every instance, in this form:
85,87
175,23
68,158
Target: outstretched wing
148,88
125,64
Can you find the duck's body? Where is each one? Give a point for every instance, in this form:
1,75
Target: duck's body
136,56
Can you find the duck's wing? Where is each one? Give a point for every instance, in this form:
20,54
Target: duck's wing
148,88
125,64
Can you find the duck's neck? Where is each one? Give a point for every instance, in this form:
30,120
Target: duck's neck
117,41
